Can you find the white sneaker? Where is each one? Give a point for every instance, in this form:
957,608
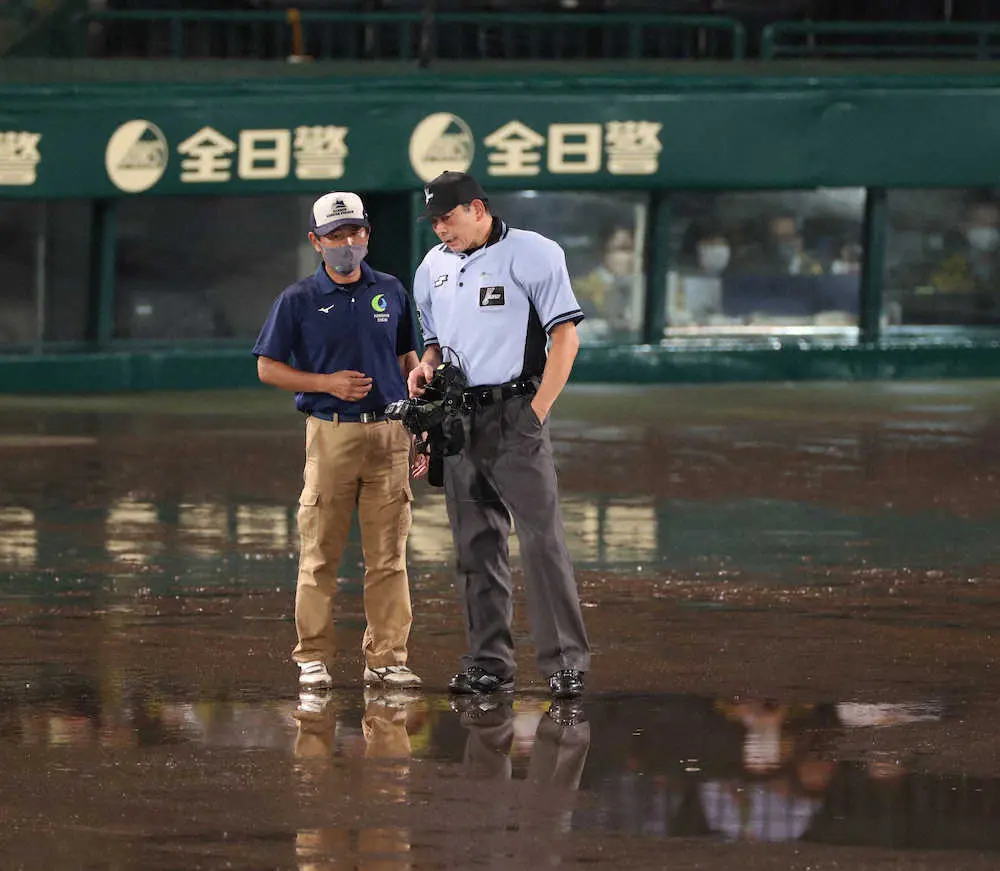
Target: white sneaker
391,697
314,676
395,676
313,701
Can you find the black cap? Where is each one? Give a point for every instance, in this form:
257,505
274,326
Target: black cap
448,190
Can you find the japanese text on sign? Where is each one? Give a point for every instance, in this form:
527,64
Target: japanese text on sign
319,153
624,147
19,157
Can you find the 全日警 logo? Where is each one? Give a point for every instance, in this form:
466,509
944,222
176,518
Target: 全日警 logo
440,142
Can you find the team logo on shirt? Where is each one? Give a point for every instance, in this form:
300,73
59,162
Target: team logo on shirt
379,306
441,279
491,295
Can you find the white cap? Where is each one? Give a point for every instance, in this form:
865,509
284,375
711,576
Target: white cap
335,210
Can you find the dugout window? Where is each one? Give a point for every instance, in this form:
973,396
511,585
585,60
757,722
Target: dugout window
942,259
603,236
764,262
44,260
206,268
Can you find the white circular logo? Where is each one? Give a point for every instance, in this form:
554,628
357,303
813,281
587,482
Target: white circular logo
440,142
136,156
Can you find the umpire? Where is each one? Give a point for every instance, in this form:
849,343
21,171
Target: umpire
348,331
490,296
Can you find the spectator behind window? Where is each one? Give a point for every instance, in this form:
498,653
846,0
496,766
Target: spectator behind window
971,262
713,252
848,261
607,294
782,251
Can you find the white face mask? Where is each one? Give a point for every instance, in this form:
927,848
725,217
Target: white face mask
844,267
983,238
713,258
619,262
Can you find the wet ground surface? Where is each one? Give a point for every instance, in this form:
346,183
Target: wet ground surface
792,594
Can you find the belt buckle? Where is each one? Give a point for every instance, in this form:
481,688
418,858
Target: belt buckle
369,417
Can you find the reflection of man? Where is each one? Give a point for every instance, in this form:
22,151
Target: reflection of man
558,755
386,737
558,751
784,780
607,294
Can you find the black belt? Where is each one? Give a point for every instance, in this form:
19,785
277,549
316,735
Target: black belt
491,394
363,417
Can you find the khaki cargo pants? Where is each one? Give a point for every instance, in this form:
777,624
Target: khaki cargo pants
364,466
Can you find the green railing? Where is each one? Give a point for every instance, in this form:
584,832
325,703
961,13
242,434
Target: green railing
329,35
850,39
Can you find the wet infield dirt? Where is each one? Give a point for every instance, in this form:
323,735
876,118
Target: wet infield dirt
791,592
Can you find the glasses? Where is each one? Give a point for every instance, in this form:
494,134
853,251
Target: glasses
342,237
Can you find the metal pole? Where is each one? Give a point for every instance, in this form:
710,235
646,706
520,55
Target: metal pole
41,276
427,35
873,269
103,257
657,246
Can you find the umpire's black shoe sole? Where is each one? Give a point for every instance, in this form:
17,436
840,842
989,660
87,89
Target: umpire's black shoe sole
566,684
475,681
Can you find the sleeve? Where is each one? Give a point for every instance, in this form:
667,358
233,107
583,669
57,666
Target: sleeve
277,336
406,333
422,298
543,274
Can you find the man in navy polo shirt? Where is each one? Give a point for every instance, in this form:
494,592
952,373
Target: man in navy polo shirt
343,341
490,299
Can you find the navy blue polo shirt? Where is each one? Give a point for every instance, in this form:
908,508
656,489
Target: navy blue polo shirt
317,325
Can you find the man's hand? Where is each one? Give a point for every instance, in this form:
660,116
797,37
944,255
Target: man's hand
541,411
419,463
417,380
348,385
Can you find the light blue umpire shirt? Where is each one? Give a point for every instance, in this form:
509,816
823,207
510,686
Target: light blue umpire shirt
494,308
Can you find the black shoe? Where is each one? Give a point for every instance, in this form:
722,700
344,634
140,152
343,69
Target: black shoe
478,680
566,684
566,712
478,710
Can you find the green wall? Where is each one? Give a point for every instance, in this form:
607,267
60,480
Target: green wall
711,132
690,130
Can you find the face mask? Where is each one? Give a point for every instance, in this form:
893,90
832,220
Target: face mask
983,238
844,267
345,259
619,262
713,258
788,249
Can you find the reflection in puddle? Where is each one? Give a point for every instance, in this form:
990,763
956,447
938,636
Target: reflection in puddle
133,533
264,527
18,538
651,765
202,529
194,541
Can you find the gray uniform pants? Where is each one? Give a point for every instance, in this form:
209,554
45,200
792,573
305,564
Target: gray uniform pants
506,469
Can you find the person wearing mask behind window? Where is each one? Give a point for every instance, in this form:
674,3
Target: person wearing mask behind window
713,252
972,265
694,290
783,251
607,295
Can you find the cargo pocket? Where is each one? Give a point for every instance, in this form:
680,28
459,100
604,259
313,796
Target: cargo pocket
405,513
309,514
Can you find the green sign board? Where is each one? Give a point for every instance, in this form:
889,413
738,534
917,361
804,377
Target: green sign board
179,140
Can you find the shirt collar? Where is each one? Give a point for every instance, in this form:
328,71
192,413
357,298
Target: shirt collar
328,285
497,231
